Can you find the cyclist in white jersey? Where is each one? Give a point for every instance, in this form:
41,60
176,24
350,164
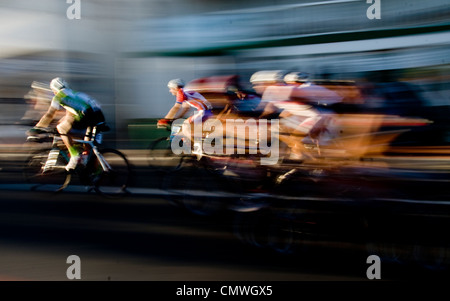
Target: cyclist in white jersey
82,112
186,99
297,105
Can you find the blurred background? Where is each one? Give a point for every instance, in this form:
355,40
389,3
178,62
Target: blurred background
124,52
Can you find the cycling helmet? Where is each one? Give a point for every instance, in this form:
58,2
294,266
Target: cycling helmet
267,76
296,77
57,84
176,83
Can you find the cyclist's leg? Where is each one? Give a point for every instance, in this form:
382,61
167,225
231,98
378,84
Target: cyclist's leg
197,124
290,137
186,129
64,128
197,121
189,131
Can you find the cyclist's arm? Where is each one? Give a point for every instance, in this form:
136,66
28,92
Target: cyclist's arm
47,118
184,108
173,111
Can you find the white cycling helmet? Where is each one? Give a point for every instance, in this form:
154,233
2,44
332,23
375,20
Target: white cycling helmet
176,83
267,76
57,84
296,77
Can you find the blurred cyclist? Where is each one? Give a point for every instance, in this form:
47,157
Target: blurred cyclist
186,99
260,80
296,106
82,112
296,78
242,102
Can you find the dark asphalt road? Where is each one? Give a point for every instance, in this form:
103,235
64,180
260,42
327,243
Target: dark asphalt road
142,237
138,238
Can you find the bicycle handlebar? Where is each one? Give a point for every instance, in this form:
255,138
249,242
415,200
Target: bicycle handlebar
164,124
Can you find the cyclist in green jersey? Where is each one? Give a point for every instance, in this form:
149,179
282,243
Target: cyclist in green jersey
82,112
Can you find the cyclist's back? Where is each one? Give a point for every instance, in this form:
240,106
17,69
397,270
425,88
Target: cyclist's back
86,110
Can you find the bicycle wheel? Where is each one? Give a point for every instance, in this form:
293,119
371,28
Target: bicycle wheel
112,183
161,158
54,179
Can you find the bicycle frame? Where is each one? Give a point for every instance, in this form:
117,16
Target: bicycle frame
105,165
92,143
174,130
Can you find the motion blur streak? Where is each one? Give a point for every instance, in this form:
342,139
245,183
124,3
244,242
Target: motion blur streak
373,158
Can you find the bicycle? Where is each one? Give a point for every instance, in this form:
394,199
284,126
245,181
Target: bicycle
185,176
105,170
160,156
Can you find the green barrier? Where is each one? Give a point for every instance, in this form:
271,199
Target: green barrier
142,131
